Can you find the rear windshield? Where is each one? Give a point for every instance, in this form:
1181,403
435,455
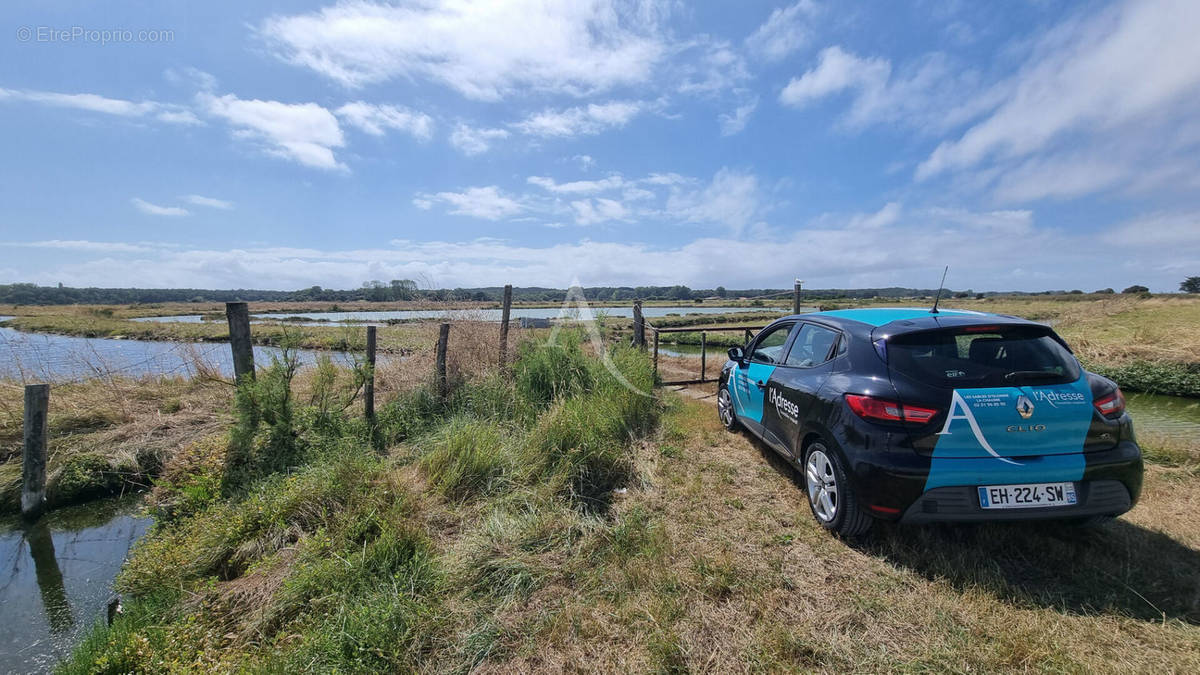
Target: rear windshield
983,356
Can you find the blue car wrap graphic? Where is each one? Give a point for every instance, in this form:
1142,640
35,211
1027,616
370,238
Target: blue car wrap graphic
747,396
1005,435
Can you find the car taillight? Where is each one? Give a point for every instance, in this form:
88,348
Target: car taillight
871,408
1111,405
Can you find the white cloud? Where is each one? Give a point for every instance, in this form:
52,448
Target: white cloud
718,67
163,112
1177,232
377,119
1132,69
480,48
156,210
732,199
1156,250
667,179
473,140
84,245
585,161
578,187
303,132
580,121
734,123
599,210
885,216
783,32
210,202
488,203
837,71
929,94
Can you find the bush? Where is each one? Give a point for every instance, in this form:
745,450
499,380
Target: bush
1155,377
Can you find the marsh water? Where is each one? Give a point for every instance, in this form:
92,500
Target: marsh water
55,358
321,318
56,578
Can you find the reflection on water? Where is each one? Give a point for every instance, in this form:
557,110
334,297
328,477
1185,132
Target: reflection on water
320,318
1169,416
49,358
56,577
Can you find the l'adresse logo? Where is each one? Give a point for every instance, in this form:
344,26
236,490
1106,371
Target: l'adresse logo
784,407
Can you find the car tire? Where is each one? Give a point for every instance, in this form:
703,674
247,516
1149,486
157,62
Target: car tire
831,496
725,410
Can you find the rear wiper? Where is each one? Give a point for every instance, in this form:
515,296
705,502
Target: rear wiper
1032,374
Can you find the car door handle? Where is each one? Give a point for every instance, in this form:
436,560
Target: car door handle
760,384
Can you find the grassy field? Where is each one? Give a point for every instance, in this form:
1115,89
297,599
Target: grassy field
553,520
1145,344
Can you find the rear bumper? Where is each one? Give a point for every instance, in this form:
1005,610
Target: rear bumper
961,504
892,486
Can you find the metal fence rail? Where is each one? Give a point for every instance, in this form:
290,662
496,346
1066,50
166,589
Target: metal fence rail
749,330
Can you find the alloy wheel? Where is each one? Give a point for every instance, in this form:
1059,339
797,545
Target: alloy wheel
725,407
822,485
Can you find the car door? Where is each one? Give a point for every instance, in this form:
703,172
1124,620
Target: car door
792,389
749,378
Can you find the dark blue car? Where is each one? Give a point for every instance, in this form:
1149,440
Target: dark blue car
922,416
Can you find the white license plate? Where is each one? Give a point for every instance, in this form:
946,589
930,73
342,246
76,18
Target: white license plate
1026,496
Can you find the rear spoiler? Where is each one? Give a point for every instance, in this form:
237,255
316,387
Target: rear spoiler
959,324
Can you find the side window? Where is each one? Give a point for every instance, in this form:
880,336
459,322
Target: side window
811,347
769,347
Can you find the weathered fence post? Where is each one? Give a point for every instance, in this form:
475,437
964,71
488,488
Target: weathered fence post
504,315
639,325
33,474
443,337
796,297
703,353
239,339
369,385
656,353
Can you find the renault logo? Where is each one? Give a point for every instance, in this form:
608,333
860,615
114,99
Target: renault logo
1024,407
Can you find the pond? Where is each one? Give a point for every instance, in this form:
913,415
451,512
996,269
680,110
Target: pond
1170,416
320,318
56,578
54,358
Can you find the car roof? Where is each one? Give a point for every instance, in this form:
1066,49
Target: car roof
905,319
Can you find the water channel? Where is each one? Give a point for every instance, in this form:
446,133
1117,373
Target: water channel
56,578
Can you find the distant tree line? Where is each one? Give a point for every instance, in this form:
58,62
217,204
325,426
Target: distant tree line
407,289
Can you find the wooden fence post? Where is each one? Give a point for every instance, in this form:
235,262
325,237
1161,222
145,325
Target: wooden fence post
504,317
369,385
796,297
639,325
656,353
33,461
703,353
443,338
239,339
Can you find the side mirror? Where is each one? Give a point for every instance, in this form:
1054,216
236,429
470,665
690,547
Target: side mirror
737,354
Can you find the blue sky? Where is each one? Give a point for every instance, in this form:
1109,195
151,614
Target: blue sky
1029,145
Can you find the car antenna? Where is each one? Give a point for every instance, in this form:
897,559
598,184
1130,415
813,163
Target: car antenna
939,293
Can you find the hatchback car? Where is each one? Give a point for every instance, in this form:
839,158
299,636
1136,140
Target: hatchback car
922,416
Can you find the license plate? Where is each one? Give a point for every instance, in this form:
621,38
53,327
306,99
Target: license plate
1026,496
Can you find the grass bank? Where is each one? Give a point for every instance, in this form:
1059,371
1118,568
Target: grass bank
289,544
109,435
480,543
